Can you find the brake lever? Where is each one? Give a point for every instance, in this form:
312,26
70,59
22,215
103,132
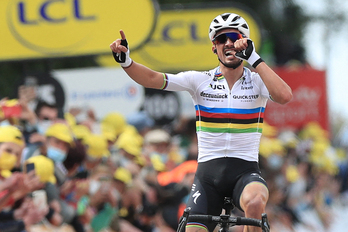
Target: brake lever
183,220
265,225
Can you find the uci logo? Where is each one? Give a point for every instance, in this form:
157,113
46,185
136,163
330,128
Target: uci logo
217,86
51,26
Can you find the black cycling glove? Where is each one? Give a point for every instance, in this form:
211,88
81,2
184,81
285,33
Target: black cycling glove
249,55
123,58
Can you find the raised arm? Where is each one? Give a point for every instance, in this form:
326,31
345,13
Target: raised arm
138,72
278,89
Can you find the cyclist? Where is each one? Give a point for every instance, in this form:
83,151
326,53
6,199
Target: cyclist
229,101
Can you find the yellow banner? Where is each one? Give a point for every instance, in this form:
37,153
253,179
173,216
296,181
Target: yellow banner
181,41
59,28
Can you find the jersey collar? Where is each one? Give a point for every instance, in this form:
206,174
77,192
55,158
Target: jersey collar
218,74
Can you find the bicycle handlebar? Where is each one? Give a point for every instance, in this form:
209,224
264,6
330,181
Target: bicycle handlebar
230,220
226,219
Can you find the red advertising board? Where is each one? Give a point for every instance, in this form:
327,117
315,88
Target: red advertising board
309,101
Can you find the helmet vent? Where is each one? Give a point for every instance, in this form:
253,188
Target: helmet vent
235,18
228,20
245,26
225,17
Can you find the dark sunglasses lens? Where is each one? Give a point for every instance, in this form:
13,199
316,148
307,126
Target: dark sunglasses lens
223,37
220,39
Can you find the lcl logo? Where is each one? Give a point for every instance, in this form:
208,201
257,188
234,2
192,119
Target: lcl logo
50,26
46,11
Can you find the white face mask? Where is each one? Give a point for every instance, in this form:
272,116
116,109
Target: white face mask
94,186
5,123
116,194
124,162
164,157
43,125
56,154
275,162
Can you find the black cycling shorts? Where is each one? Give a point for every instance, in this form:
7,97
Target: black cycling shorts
220,178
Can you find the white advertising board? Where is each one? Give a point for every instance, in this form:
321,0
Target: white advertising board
104,90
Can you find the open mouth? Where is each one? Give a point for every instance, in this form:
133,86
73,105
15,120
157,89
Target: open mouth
229,53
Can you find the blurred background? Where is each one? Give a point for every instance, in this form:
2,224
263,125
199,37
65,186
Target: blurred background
59,50
60,41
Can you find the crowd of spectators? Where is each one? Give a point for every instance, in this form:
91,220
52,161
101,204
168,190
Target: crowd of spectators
60,171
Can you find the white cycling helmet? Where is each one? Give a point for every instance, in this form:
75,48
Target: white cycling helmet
228,20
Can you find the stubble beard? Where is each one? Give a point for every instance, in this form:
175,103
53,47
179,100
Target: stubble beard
233,65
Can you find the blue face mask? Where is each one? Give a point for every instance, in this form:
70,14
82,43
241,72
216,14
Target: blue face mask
43,125
56,154
124,162
275,162
164,157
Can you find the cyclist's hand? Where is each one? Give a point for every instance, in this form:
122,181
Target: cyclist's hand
246,51
120,51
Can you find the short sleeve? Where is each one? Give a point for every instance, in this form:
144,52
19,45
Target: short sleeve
261,85
179,82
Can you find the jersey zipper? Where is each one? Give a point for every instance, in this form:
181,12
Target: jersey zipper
230,106
228,135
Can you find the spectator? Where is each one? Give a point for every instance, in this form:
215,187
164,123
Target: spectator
103,197
142,122
44,169
96,149
115,121
129,149
306,175
158,147
11,146
36,126
20,211
122,179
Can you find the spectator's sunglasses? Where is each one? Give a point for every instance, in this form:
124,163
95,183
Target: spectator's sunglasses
222,38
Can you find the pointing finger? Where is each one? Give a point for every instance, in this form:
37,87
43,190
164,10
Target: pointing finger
123,36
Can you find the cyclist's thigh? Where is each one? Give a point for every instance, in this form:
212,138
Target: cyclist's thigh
204,199
244,181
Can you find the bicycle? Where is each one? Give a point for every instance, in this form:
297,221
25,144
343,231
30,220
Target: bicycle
225,221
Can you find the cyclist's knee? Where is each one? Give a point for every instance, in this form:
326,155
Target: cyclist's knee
254,207
254,199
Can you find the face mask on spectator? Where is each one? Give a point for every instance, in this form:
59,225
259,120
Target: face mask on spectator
91,158
7,161
275,162
94,185
164,157
43,125
124,162
116,194
56,154
113,150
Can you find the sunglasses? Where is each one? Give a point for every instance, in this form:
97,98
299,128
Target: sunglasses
222,38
